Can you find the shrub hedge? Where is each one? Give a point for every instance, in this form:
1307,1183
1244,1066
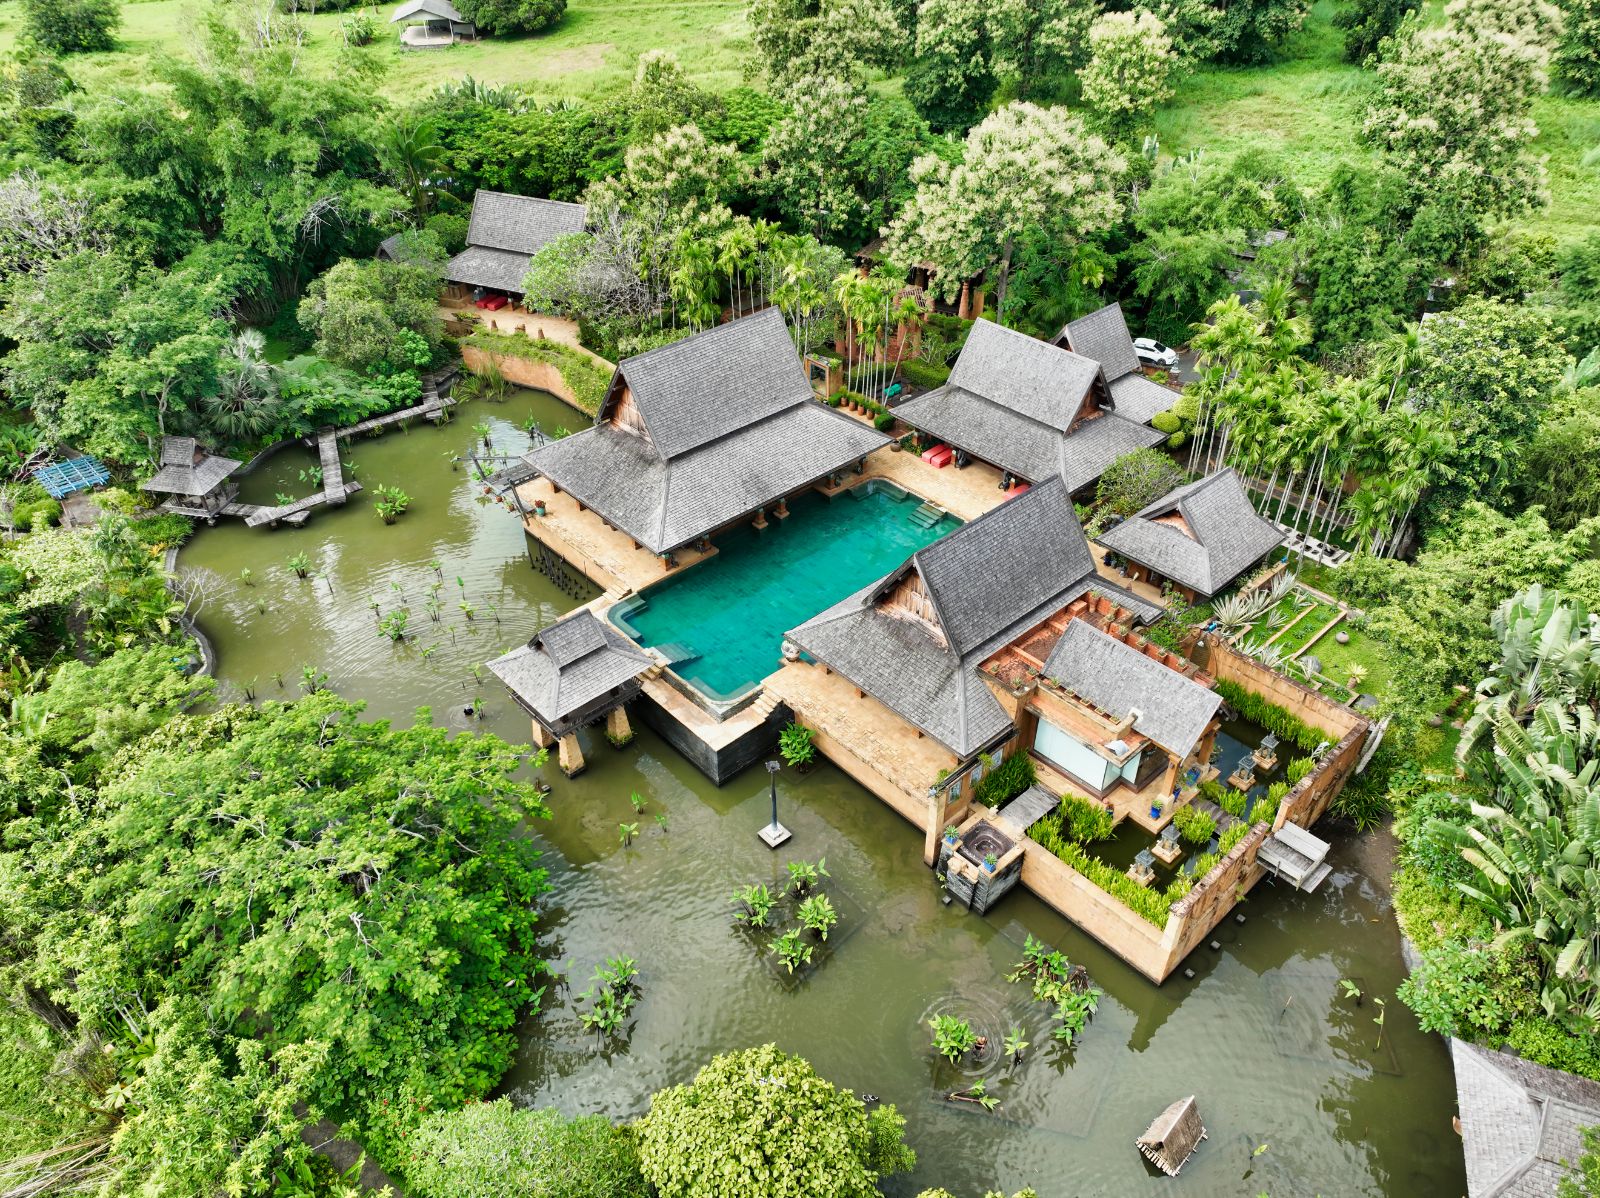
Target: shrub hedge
1281,723
1152,905
1006,781
924,374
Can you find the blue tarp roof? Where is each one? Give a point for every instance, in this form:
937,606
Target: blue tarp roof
61,479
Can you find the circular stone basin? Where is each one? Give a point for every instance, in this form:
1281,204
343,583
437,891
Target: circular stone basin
983,840
1342,637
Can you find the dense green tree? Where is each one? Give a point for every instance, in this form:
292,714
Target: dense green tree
951,80
1129,73
1578,53
1490,369
1236,31
1584,1180
1561,469
1176,275
496,1150
662,97
1136,480
760,1121
1024,171
513,16
361,313
1035,44
797,38
72,26
1367,22
338,884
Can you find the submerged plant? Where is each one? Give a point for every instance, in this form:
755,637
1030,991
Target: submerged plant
391,503
393,625
977,1093
1015,1045
637,801
313,679
817,914
614,993
952,1038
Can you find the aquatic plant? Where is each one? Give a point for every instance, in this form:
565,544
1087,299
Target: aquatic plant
393,625
975,1093
626,833
300,563
758,903
614,993
313,679
817,914
794,744
1015,1045
636,800
391,503
952,1038
803,876
791,949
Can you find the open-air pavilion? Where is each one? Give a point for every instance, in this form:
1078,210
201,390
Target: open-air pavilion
574,673
196,483
504,234
1030,408
431,24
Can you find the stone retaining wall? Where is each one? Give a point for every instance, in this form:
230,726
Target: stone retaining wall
523,371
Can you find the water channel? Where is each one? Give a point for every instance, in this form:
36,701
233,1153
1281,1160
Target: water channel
1302,1091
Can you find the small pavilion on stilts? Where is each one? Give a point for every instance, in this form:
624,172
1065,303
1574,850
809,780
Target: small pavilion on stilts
575,673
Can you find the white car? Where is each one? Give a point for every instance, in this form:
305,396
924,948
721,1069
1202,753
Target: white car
1151,352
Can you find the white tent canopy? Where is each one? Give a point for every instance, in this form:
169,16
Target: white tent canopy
439,10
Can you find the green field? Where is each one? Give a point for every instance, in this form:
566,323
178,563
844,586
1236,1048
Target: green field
594,48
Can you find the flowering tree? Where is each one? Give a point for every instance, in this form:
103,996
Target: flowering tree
796,38
1453,114
1130,72
1036,40
1578,54
814,154
950,80
1025,169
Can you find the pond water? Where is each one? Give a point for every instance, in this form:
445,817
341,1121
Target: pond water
1261,1034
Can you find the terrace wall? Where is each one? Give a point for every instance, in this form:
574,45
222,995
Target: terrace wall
522,371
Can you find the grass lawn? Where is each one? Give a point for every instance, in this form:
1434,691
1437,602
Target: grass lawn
1308,627
592,50
1363,651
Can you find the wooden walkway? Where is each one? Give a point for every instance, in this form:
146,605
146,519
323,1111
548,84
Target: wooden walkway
432,408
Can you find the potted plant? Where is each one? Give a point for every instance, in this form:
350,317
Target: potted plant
989,862
1155,808
949,833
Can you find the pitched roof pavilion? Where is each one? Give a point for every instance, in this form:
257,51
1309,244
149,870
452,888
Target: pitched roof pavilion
698,434
1029,407
568,668
1202,535
506,231
1103,336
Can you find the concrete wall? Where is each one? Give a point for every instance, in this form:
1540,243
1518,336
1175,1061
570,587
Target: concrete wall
1299,700
1135,939
523,371
720,764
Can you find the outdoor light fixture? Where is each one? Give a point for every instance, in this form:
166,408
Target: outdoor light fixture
774,833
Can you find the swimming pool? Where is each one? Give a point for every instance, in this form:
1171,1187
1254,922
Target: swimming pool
730,612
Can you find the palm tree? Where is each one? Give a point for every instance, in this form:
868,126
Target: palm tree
412,153
1397,359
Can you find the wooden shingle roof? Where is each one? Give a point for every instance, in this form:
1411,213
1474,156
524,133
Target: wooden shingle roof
1172,1137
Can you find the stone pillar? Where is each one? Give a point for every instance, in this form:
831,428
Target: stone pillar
618,730
761,518
541,738
570,755
938,813
782,510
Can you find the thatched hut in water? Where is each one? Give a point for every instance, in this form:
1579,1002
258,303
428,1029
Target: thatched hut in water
1171,1139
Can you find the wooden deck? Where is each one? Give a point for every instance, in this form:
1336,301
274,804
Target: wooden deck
289,513
432,408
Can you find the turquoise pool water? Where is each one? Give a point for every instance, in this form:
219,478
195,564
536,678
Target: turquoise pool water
733,609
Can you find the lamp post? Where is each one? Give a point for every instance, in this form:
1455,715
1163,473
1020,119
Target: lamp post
774,833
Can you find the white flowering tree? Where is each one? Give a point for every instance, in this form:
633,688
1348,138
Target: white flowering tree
950,80
796,38
678,172
1036,41
1129,73
1452,113
1578,54
814,156
1024,170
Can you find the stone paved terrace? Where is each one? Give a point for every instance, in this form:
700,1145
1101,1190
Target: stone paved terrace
870,731
1142,589
607,556
517,320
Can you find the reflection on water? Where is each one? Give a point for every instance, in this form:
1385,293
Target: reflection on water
1261,1034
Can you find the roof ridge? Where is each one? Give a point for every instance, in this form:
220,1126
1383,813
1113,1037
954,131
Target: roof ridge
709,333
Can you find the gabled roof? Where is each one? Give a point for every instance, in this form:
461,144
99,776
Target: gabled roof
988,582
569,665
730,425
1026,448
706,386
1225,535
188,470
1521,1123
442,9
1104,337
1118,679
1140,399
1024,374
506,231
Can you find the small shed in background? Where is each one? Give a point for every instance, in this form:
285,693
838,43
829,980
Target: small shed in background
432,23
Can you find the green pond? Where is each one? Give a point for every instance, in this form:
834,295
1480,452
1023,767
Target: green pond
724,619
1261,1034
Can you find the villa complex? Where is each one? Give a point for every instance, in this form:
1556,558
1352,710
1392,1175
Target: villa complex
948,636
